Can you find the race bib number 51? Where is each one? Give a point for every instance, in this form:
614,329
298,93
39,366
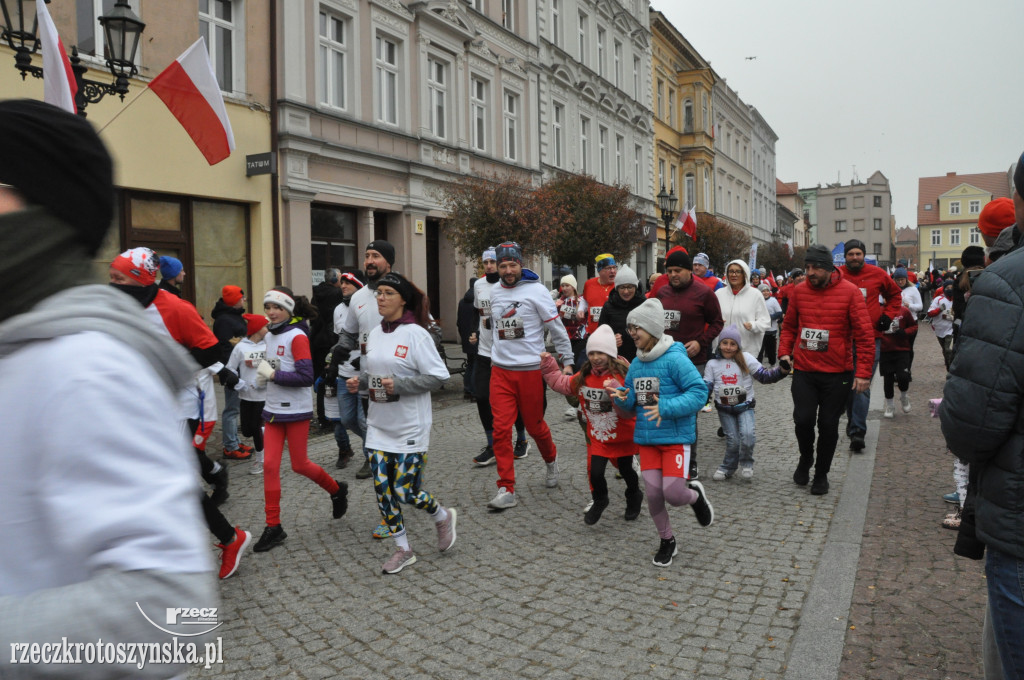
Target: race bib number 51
646,390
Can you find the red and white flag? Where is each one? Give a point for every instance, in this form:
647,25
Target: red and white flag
59,86
190,90
688,223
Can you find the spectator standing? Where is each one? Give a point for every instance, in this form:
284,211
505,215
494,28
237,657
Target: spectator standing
172,274
327,295
229,327
467,321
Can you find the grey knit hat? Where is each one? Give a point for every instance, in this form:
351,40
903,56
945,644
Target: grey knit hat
626,277
649,316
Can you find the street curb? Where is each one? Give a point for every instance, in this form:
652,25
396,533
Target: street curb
821,635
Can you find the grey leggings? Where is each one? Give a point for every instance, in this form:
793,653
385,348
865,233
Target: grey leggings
660,489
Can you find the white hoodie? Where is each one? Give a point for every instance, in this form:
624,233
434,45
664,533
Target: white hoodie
747,306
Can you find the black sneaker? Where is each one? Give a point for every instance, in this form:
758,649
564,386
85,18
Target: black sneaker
857,442
485,457
339,500
273,535
802,475
633,501
364,472
594,513
693,470
666,551
344,456
522,450
701,507
819,487
220,486
721,432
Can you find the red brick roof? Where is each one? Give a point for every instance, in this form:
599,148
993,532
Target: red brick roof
930,188
906,235
785,188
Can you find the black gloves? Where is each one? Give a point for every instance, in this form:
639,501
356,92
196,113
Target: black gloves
227,377
883,323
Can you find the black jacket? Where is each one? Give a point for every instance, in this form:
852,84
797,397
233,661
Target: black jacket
982,410
169,287
227,324
614,314
321,332
467,320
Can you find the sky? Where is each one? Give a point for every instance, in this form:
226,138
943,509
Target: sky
913,88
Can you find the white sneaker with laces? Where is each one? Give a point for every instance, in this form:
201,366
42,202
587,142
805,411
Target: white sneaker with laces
890,409
551,480
570,413
720,476
504,500
905,402
747,473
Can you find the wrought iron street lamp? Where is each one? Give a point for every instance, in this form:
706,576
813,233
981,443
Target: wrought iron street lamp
121,28
667,203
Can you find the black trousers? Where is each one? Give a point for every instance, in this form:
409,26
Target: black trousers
598,464
219,526
768,347
819,398
251,421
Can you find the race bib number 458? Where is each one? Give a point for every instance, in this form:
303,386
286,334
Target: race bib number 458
646,390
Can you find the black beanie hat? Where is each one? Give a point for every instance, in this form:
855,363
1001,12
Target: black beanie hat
973,256
56,160
399,283
678,257
384,248
1018,175
854,243
819,256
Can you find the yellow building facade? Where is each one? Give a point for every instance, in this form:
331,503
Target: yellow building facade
947,214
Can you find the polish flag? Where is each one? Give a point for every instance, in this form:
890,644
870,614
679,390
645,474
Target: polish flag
189,89
59,85
689,224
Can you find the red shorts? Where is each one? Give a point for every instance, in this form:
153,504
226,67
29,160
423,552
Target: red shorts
672,459
202,434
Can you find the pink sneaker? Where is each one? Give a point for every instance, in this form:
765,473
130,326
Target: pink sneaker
399,561
446,531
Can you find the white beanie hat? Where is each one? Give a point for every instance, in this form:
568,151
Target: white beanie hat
650,316
626,277
602,340
571,280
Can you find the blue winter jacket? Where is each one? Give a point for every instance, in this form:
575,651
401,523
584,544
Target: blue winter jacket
681,394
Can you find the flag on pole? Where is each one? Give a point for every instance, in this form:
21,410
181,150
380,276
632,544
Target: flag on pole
771,280
689,223
59,85
789,247
190,90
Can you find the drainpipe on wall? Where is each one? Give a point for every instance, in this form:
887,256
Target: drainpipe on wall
275,190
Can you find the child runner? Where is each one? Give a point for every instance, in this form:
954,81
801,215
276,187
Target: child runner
730,376
288,374
663,382
941,314
245,357
894,364
400,369
609,436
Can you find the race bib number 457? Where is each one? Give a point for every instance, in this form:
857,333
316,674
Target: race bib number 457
646,390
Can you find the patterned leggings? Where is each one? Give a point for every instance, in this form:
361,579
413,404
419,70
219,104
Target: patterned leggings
396,479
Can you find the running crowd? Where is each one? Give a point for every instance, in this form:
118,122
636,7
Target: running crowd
363,357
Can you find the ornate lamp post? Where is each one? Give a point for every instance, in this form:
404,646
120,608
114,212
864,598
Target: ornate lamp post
667,203
121,27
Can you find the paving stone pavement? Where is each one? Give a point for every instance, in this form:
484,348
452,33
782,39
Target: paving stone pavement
533,592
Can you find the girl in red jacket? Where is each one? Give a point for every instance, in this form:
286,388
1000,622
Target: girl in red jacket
609,431
894,364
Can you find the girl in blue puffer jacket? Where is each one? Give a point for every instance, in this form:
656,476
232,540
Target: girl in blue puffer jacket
663,385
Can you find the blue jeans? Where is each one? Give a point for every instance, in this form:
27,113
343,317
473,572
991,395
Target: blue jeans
857,404
229,423
350,411
739,440
1005,574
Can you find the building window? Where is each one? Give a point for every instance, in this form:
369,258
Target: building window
954,207
582,34
617,66
954,237
974,207
584,144
508,14
511,115
840,225
333,237
557,133
858,202
638,157
877,201
707,191
333,61
672,180
659,102
661,172
728,202
636,78
478,113
878,224
620,150
704,120
936,237
877,249
687,116
602,152
602,36
974,236
690,186
387,80
672,107
840,204
218,20
437,87
556,22
858,225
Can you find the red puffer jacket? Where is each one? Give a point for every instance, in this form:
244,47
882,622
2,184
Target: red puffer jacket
821,325
874,282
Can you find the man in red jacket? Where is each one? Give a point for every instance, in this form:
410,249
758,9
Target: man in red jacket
826,317
874,283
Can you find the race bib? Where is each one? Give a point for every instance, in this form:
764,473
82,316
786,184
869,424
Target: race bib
894,327
254,357
511,328
274,362
672,318
595,314
646,390
730,395
377,391
596,400
569,312
864,292
814,339
362,343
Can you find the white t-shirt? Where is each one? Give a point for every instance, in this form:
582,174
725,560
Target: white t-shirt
400,423
482,302
243,354
362,318
341,312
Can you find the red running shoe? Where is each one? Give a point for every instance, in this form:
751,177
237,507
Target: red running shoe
237,454
231,553
244,448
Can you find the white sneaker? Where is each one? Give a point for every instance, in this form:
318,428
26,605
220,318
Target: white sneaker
570,413
707,408
505,499
636,463
256,468
720,476
747,473
890,410
905,403
551,481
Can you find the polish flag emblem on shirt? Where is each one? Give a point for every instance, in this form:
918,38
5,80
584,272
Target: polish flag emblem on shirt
280,351
401,351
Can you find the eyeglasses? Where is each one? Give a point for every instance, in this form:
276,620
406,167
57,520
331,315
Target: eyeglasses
382,293
632,328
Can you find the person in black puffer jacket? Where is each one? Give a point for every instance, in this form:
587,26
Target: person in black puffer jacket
623,299
327,295
230,327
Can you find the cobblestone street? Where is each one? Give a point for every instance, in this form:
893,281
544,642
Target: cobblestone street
765,592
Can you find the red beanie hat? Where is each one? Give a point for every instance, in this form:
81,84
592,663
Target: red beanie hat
140,264
996,216
231,295
253,322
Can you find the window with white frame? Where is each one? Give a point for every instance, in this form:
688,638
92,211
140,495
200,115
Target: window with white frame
690,186
333,61
617,63
386,65
602,149
974,207
581,33
584,144
954,207
556,22
508,14
620,150
437,88
707,191
704,112
954,237
478,113
975,236
602,37
220,23
671,107
511,118
687,116
636,78
936,237
660,99
878,224
638,158
840,225
661,172
558,133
